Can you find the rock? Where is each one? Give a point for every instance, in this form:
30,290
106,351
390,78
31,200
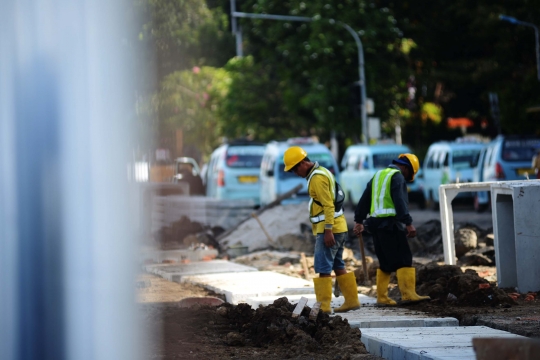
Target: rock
465,240
235,339
489,239
471,259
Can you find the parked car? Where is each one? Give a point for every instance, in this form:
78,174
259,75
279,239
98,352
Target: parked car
233,171
504,158
361,162
187,170
449,162
276,181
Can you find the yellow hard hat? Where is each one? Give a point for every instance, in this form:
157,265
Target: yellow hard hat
413,160
293,156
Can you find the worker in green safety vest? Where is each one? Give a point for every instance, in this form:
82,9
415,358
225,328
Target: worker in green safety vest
385,200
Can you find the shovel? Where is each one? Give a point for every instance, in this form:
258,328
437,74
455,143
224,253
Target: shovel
367,281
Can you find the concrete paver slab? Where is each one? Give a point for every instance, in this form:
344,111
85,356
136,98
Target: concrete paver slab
241,286
158,256
437,343
371,317
175,272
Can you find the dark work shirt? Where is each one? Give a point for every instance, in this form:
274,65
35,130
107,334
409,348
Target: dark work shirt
398,191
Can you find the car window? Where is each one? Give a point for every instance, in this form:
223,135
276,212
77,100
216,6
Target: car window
464,159
519,149
381,161
446,158
435,160
352,162
363,163
487,158
429,161
244,156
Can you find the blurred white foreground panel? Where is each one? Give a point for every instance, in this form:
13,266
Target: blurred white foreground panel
66,234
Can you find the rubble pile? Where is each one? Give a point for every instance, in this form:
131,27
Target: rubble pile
448,283
273,325
474,246
284,224
184,234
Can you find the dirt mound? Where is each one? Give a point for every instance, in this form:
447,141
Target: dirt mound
273,325
268,332
448,283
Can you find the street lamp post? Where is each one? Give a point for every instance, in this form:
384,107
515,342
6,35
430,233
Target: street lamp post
361,76
513,20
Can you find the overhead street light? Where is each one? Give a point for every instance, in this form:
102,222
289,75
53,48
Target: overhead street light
515,21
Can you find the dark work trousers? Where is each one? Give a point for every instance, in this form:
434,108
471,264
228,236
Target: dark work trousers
392,249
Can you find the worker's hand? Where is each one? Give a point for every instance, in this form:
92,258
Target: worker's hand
411,231
329,238
358,228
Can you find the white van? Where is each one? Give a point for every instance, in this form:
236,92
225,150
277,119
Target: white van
233,171
447,163
361,162
276,181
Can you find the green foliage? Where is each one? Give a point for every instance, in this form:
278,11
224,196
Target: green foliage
311,67
184,33
189,100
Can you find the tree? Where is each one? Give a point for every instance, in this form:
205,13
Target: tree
314,65
189,100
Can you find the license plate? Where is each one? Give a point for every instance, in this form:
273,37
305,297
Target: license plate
525,171
248,179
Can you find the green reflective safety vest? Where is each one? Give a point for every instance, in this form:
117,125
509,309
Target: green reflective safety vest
382,204
317,218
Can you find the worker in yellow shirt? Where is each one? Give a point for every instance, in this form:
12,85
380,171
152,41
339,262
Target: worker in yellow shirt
329,227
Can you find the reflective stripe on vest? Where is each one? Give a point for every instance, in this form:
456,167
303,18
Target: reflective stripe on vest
322,171
382,204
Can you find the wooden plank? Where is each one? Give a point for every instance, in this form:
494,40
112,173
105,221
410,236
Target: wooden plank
303,261
315,311
299,307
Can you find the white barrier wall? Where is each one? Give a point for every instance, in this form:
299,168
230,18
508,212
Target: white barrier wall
67,259
516,224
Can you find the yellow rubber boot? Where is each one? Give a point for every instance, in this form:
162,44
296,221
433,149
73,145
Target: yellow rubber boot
407,285
323,292
347,284
383,279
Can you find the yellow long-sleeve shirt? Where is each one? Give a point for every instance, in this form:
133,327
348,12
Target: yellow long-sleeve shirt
319,190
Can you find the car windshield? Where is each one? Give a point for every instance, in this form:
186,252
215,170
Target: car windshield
324,159
519,149
464,159
381,161
244,156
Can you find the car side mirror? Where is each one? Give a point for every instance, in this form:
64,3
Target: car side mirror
270,173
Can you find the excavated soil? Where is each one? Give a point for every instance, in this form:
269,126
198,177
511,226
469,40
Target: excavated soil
473,300
269,332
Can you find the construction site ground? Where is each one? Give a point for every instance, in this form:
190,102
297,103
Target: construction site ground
200,332
468,293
